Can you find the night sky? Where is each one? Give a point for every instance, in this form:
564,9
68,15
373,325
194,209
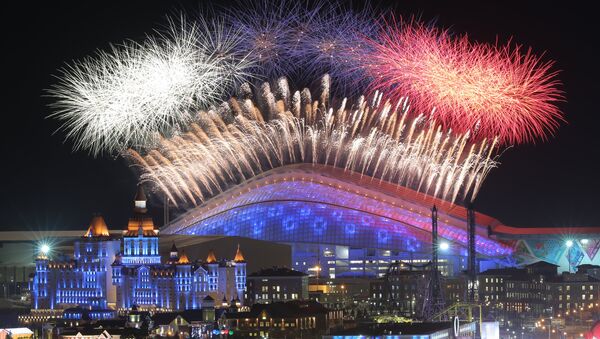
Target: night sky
48,186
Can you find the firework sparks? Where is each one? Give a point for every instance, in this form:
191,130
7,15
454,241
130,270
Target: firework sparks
371,138
121,98
304,40
490,90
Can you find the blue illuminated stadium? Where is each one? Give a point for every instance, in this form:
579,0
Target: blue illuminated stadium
343,223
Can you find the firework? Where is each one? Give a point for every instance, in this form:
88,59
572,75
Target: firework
122,97
246,137
334,42
265,31
486,89
303,40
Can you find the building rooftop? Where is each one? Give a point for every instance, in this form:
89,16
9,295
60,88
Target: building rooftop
97,228
278,272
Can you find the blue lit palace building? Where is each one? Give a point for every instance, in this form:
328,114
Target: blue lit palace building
109,274
344,224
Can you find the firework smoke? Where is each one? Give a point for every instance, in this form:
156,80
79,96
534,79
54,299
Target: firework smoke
122,97
248,136
492,90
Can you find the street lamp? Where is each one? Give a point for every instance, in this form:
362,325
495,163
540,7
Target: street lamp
444,246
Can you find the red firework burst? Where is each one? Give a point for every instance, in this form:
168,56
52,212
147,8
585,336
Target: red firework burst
490,90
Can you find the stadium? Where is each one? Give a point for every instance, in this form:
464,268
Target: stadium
340,223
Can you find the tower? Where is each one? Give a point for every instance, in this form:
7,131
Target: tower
173,254
213,271
140,240
434,299
240,274
183,282
40,295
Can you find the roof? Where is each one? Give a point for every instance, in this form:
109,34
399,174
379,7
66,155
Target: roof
142,222
513,272
183,259
542,263
239,257
140,194
164,318
97,228
211,258
278,272
17,330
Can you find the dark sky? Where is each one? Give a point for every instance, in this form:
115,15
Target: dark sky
47,186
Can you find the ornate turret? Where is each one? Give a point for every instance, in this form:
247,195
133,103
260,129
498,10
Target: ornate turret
173,254
183,259
140,224
239,257
97,228
211,258
140,201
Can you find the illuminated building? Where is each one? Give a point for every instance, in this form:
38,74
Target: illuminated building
143,280
84,281
353,225
103,277
293,319
539,291
276,284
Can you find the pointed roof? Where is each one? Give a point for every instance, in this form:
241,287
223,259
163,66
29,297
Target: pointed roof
183,259
140,195
174,248
239,257
211,258
97,228
139,202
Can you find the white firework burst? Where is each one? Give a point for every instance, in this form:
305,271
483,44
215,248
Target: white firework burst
125,96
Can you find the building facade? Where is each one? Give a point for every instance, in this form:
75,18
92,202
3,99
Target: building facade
278,284
144,280
108,274
83,281
537,291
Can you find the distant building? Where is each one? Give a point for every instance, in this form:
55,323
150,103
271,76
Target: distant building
572,292
340,293
83,281
276,284
102,278
403,292
516,292
538,291
142,279
292,319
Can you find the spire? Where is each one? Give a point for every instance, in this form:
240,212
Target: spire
97,228
239,257
183,259
211,258
140,201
